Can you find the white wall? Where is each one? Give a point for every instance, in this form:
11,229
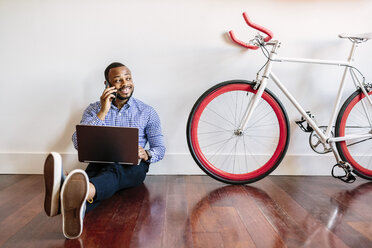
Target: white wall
53,53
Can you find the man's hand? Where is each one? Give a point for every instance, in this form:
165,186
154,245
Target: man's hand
142,154
106,100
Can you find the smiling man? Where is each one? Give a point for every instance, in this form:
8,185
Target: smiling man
84,190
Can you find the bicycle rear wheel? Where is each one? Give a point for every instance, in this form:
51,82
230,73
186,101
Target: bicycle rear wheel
222,152
355,117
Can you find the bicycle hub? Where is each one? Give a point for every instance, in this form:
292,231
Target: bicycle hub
238,132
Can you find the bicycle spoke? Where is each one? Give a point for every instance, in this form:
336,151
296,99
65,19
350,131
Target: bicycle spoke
222,147
262,136
215,143
245,153
259,141
214,125
260,119
254,157
227,157
243,106
257,127
236,107
235,153
358,142
221,117
214,132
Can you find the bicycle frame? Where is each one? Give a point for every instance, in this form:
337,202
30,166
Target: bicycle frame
326,138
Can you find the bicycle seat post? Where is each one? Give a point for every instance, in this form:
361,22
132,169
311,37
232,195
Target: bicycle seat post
341,89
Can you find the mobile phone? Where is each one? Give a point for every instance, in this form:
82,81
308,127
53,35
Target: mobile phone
108,85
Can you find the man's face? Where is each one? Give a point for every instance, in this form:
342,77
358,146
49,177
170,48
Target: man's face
121,78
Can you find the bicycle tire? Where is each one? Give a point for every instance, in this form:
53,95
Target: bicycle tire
270,110
352,119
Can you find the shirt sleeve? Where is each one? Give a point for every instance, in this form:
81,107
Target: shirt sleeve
89,118
155,137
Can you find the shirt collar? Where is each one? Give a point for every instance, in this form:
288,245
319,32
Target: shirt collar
129,103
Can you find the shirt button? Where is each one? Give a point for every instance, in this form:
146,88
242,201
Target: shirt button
119,114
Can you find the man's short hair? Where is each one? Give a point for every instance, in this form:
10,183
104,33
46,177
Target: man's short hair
108,68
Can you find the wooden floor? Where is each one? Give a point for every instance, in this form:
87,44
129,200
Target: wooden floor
197,211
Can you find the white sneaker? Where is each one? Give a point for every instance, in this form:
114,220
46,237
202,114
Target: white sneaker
53,179
74,193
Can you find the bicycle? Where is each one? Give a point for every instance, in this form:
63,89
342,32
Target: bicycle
238,130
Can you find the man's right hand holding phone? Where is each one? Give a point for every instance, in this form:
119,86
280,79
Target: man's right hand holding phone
106,99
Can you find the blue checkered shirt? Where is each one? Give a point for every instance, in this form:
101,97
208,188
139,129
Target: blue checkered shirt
134,113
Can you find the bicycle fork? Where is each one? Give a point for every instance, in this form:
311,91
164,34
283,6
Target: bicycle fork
261,84
252,106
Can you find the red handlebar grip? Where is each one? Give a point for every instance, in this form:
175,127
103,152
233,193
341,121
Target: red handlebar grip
241,43
259,28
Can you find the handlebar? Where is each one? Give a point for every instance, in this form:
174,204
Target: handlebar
255,26
241,43
259,28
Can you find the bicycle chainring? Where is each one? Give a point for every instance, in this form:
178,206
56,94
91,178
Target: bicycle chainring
316,144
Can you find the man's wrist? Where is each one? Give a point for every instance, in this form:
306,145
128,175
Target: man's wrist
101,115
149,155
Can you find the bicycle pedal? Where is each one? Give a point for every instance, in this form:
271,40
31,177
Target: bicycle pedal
348,177
300,123
306,128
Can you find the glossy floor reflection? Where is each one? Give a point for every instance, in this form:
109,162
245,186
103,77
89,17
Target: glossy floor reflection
197,211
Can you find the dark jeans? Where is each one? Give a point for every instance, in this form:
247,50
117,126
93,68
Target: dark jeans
112,177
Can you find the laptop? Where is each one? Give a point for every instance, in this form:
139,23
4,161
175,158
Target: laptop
102,144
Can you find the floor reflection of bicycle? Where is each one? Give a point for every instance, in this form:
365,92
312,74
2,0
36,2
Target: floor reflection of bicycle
245,216
351,218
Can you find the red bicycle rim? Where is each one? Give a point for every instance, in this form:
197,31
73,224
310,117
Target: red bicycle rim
264,168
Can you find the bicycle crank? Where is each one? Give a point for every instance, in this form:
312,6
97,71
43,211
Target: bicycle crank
348,177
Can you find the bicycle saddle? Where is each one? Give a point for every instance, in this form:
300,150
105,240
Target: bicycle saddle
359,37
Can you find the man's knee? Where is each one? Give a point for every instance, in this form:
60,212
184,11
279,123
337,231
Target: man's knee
133,175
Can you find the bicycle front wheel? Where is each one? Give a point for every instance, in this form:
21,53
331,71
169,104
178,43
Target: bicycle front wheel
220,149
355,117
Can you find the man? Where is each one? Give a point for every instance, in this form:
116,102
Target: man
116,107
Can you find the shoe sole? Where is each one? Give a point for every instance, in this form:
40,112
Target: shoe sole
73,196
52,180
